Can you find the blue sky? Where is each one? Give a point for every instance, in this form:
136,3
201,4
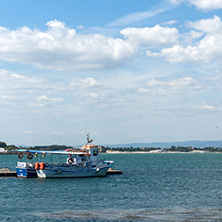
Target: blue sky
132,71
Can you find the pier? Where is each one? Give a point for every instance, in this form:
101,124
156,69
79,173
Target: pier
5,172
112,171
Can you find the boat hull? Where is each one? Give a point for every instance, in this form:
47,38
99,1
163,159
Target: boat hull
66,173
26,172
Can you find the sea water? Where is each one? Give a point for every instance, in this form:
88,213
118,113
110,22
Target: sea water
152,187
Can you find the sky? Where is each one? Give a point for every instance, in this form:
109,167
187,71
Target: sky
127,71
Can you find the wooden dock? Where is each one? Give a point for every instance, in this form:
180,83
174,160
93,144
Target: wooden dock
5,172
112,171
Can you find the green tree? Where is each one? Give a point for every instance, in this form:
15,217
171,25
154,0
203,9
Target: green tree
11,147
172,148
3,144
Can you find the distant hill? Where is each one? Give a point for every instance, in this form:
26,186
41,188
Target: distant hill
195,143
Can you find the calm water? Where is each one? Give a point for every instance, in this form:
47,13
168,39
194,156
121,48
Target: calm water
153,187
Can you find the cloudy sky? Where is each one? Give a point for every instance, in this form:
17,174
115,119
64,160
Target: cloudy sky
131,71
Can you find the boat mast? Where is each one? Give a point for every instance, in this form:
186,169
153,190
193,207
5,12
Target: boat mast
89,141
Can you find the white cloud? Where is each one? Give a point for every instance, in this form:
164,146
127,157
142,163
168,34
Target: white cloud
207,107
56,133
44,98
80,27
88,82
171,22
165,87
18,79
207,49
156,35
176,83
14,83
92,91
143,90
179,54
37,95
61,48
29,132
211,26
205,5
21,91
193,35
137,16
8,97
95,95
176,1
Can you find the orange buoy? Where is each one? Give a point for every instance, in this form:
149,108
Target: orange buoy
37,165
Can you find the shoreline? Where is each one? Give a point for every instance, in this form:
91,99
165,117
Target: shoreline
164,152
5,153
139,152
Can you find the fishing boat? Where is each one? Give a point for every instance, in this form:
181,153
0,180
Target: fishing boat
84,162
77,164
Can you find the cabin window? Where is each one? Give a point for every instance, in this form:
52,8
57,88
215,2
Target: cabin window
83,159
95,152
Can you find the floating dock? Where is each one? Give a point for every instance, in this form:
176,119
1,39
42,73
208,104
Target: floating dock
112,171
5,172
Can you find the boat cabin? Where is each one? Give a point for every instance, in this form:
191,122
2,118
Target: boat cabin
80,160
93,151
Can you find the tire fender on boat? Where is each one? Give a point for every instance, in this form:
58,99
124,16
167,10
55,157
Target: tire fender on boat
29,156
70,161
20,155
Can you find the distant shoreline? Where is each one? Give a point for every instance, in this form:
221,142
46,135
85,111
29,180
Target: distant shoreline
5,153
137,152
164,152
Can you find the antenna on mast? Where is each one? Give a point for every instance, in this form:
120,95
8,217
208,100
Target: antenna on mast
88,136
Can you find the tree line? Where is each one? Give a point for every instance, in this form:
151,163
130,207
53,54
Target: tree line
51,147
121,149
171,149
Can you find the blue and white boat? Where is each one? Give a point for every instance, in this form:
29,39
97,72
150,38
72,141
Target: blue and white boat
77,165
72,163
